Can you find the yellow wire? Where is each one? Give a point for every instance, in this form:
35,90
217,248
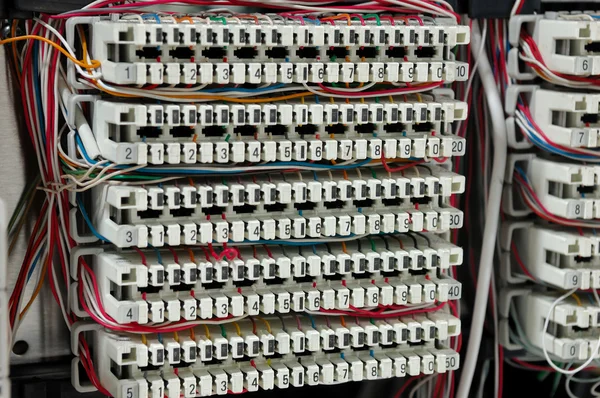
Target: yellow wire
576,297
419,97
176,336
144,339
237,328
266,323
207,331
192,334
95,63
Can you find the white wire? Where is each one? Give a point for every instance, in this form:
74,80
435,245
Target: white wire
95,75
420,384
545,330
513,11
492,215
474,69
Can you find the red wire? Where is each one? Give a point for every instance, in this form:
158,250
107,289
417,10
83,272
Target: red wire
515,251
500,370
406,384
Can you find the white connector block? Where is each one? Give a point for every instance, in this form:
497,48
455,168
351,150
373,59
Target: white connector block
190,134
564,44
567,118
561,258
572,337
193,376
566,189
157,291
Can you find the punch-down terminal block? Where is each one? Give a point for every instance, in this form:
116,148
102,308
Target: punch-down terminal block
398,127
146,52
557,256
190,284
573,330
569,43
565,189
253,354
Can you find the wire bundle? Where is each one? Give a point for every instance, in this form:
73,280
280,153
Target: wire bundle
38,57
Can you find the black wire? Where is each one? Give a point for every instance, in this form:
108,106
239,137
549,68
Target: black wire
425,237
413,239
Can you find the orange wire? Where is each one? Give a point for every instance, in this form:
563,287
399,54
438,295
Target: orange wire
214,97
191,253
337,17
185,18
249,16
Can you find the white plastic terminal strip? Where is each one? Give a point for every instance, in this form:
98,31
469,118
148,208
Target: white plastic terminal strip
161,228
566,189
576,334
289,189
284,32
150,370
205,289
567,118
279,336
561,258
564,44
174,134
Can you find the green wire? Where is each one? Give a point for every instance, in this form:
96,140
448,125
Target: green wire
373,247
222,19
223,332
373,173
373,16
25,196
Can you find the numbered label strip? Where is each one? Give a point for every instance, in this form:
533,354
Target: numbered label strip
203,229
140,73
274,149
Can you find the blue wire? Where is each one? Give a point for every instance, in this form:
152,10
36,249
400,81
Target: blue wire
314,21
87,219
159,337
36,87
314,249
312,320
152,16
158,256
315,176
35,261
